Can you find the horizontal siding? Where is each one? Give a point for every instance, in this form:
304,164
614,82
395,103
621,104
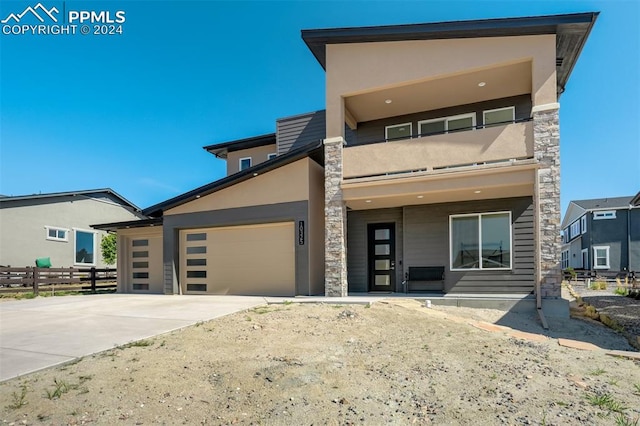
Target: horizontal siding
357,262
373,131
426,243
294,132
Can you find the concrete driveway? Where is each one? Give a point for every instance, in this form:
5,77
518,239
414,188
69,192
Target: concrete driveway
42,332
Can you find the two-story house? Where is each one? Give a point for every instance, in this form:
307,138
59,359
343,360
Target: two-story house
602,234
437,150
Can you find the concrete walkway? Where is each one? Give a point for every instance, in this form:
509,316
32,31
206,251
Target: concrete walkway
43,332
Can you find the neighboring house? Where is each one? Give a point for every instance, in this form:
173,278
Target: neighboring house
602,234
58,226
438,149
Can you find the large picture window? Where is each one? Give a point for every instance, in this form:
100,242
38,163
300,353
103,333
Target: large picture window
480,241
85,247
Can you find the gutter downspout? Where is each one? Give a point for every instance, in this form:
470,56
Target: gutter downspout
629,239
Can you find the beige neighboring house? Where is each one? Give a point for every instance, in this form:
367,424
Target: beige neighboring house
433,168
58,226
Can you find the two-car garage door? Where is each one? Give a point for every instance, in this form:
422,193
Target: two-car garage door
243,260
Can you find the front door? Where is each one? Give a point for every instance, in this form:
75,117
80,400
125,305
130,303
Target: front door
382,256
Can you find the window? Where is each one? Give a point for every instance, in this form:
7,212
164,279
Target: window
604,215
575,229
494,117
601,257
85,247
271,156
57,234
565,235
398,131
447,124
583,224
585,258
244,163
565,259
480,241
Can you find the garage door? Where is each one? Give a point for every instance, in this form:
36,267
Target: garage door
244,260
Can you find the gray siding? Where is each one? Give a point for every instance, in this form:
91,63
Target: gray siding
422,239
357,262
612,233
300,130
373,131
294,132
634,240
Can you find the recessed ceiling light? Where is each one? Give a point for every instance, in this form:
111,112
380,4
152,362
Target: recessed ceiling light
482,84
420,196
387,101
197,196
367,201
477,192
255,174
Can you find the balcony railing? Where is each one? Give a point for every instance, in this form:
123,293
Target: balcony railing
480,145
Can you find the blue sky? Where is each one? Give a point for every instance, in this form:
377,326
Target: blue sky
132,111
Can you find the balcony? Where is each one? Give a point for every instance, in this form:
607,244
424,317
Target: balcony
430,153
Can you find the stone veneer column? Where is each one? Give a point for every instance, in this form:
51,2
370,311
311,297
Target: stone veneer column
546,140
335,217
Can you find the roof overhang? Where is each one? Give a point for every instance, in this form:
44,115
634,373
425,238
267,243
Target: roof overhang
113,227
221,150
571,32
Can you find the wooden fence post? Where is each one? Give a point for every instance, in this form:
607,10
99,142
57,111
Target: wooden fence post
36,273
93,279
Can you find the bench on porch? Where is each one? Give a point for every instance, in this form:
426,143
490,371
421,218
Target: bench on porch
424,278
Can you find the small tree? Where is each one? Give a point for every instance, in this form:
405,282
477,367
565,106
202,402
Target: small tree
109,250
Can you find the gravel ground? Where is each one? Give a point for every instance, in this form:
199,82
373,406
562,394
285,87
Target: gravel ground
391,363
624,310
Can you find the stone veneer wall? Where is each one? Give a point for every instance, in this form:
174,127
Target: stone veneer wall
335,281
546,136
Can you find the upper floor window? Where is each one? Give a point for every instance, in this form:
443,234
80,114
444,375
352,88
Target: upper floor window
498,116
447,124
575,229
604,215
244,163
57,234
272,156
398,131
583,224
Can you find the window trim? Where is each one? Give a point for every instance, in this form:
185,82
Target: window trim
573,234
479,215
484,116
240,163
57,228
583,224
604,214
95,246
595,257
446,120
386,130
271,155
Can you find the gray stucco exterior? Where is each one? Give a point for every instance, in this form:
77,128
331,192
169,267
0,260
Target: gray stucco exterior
24,225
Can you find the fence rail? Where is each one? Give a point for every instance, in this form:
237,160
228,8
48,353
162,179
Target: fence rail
625,278
35,277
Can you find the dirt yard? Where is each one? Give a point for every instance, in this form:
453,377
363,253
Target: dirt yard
296,364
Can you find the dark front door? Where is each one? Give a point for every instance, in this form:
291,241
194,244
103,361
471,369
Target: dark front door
382,256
